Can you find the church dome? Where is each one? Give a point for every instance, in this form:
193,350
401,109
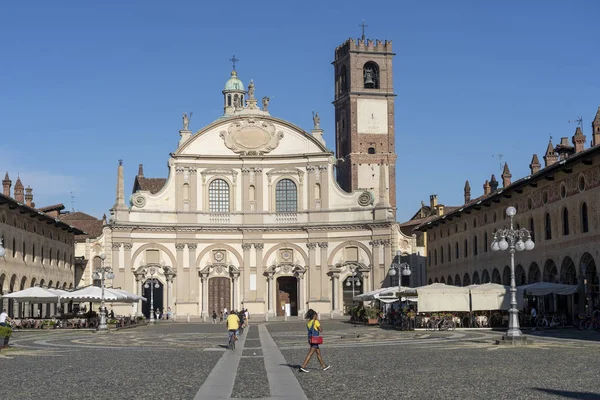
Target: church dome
234,83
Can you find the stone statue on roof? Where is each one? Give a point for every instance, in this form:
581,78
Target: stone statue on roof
316,120
265,103
251,89
186,121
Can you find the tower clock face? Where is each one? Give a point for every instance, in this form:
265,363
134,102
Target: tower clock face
372,116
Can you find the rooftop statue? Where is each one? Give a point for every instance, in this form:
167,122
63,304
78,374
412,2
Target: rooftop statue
316,120
251,89
186,121
265,103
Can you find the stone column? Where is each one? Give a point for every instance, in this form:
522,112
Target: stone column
192,283
246,272
336,291
314,286
325,288
234,298
139,282
260,277
271,295
375,251
204,278
301,291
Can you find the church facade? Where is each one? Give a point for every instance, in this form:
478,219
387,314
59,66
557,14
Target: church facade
257,213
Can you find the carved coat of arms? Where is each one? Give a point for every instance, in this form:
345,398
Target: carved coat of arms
251,136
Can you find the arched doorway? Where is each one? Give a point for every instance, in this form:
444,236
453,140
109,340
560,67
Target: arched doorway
149,291
219,294
475,280
449,281
466,280
352,286
568,273
587,268
11,303
287,296
506,275
457,280
496,276
485,276
534,273
520,277
550,272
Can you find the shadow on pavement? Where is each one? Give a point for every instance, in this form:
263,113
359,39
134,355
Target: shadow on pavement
571,395
566,333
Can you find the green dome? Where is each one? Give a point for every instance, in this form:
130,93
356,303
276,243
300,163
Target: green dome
234,83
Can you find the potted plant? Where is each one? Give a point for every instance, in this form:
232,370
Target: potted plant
5,333
372,315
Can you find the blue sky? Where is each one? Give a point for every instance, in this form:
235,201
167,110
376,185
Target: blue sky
83,84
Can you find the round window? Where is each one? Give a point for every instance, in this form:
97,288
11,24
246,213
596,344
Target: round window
563,190
545,197
581,183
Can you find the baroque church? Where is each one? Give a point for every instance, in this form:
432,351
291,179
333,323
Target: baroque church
257,213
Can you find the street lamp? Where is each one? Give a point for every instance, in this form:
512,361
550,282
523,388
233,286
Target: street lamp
152,283
100,273
353,280
512,239
403,269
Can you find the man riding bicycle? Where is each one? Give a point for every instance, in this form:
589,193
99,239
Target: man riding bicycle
233,324
4,317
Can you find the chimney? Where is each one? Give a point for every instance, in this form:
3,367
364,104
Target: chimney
439,210
493,183
19,191
433,202
6,184
506,175
550,157
486,188
578,140
28,196
467,192
535,164
141,170
596,129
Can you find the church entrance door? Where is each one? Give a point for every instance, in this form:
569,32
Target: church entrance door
158,297
287,296
219,295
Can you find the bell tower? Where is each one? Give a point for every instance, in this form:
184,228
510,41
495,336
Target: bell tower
364,116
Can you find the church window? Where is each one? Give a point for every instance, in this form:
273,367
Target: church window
286,197
584,218
435,257
218,196
228,100
371,150
371,75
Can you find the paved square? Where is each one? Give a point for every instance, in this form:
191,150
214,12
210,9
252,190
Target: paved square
190,361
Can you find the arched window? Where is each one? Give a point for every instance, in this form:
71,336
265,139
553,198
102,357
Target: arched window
14,248
343,80
371,75
449,253
548,226
584,218
429,258
475,246
435,257
218,196
228,100
565,220
24,251
442,255
532,229
456,250
286,197
466,252
485,242
42,254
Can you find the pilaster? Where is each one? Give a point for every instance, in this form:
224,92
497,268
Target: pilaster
375,251
260,271
116,253
314,278
179,291
246,247
324,270
191,267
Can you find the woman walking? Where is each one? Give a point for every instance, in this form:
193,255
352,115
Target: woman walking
314,339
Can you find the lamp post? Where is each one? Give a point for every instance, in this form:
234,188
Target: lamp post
512,239
402,269
353,280
101,273
152,283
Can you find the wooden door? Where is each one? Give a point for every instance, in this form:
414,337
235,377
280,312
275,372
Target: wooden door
219,295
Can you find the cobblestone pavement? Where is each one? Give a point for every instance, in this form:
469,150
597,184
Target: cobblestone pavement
190,361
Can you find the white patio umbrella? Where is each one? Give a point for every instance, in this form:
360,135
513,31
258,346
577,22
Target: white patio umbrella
34,294
132,296
94,293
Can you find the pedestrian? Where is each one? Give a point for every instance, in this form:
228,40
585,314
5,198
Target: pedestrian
112,314
169,313
157,314
314,339
225,313
221,318
246,317
533,317
214,317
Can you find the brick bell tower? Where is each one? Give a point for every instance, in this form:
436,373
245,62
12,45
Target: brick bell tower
364,116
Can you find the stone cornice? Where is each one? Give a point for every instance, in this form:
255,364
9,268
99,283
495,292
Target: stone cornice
241,229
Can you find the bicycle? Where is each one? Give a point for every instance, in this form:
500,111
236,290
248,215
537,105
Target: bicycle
231,343
544,322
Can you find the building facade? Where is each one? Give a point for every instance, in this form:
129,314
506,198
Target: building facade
39,248
251,214
558,204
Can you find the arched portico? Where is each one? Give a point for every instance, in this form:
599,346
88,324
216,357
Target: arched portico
219,283
164,274
340,273
286,270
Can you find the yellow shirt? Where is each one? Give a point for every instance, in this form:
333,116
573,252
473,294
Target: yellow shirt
317,325
233,322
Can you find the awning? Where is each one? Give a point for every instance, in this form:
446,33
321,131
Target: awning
369,295
132,296
34,294
441,297
94,293
492,296
544,288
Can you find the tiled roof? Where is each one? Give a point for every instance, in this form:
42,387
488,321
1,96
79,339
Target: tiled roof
54,207
90,225
548,171
152,185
